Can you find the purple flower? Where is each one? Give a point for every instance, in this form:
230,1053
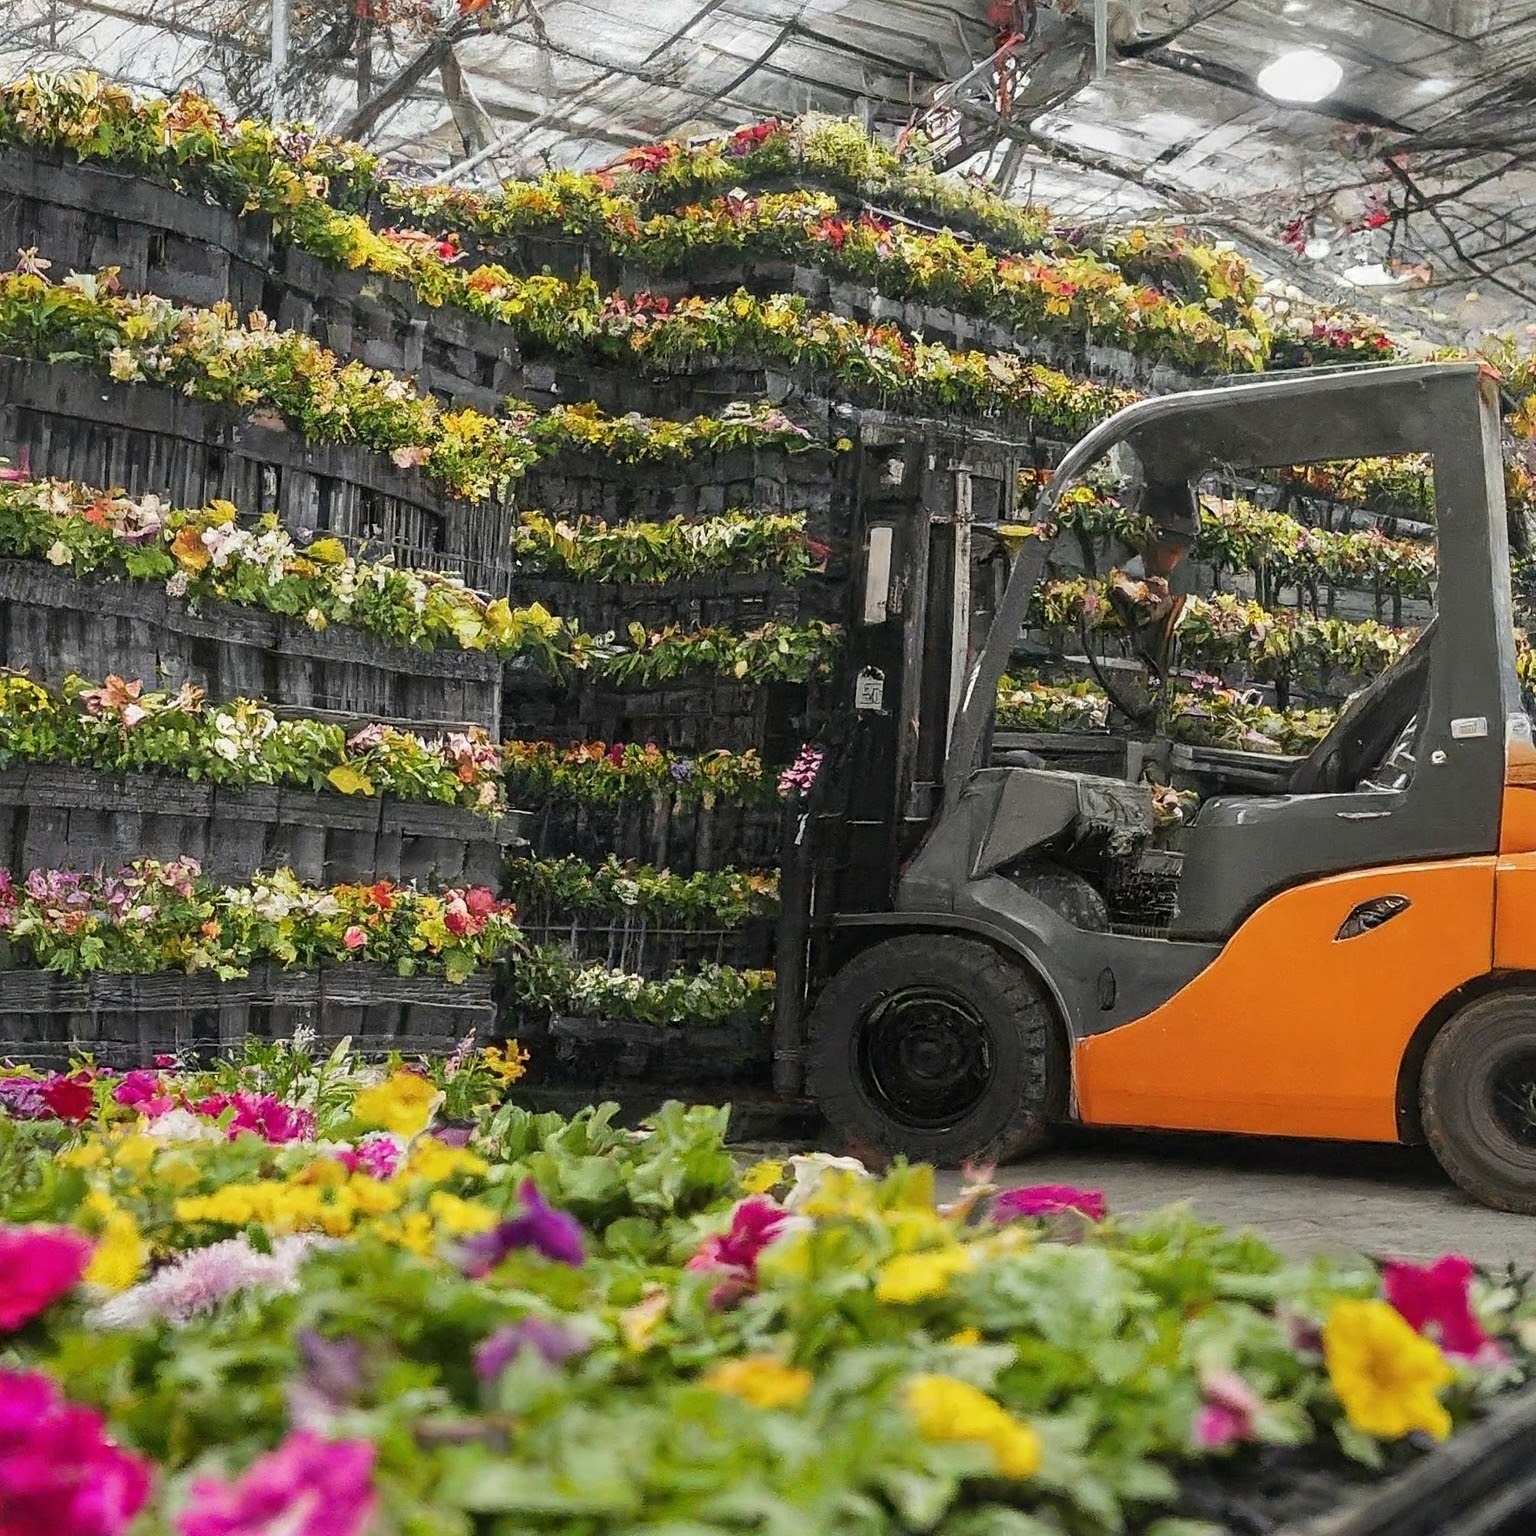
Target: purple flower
22,1098
545,1338
682,769
547,1231
455,1136
332,1378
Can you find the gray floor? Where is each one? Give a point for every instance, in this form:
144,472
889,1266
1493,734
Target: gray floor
1306,1197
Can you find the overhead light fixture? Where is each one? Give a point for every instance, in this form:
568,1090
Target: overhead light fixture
1304,75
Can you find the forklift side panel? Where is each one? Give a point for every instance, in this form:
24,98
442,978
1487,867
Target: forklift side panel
1517,823
1317,1051
1514,912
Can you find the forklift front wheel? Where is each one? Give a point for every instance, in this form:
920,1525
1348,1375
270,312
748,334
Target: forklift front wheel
1477,1100
939,1048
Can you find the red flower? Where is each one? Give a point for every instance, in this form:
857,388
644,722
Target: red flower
382,894
354,937
1434,1301
480,900
70,1098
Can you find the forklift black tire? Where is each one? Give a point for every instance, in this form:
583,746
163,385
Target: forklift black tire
1477,1100
939,1048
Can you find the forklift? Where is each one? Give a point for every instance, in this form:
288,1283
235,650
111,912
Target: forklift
974,947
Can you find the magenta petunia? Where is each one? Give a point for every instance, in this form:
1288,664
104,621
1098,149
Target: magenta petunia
60,1475
1435,1300
1048,1200
38,1265
733,1254
308,1486
1227,1413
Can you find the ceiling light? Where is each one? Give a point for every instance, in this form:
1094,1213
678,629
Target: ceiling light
1305,75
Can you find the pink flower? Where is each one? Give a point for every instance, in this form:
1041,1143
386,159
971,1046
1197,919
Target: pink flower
378,1155
260,1114
1048,1200
59,1473
733,1254
1227,1414
308,1486
355,937
38,1265
198,1281
1435,1301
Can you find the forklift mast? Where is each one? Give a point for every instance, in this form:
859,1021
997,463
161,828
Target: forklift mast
927,576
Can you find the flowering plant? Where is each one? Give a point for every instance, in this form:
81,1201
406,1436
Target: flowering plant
206,555
459,1326
611,773
547,980
587,549
149,917
211,355
551,889
116,727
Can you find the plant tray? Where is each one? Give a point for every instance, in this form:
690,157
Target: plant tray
52,624
73,424
194,252
650,949
72,818
677,836
606,1057
124,1021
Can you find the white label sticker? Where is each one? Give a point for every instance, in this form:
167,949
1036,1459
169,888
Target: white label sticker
1470,727
869,690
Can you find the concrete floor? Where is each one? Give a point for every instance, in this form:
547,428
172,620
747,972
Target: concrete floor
1305,1197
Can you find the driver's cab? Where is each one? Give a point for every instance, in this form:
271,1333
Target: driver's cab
1413,769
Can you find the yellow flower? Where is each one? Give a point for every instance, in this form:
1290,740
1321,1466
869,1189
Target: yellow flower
762,1177
177,1171
1388,1377
945,1408
121,1253
403,1104
460,1218
762,1380
413,1232
508,1064
431,1162
370,1196
90,1154
135,1153
965,1338
916,1276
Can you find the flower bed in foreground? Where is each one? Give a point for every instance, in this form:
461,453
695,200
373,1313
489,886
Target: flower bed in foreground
301,1295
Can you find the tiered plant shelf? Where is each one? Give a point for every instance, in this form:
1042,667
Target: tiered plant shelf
630,313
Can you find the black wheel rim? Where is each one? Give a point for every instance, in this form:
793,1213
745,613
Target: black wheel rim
926,1057
1510,1096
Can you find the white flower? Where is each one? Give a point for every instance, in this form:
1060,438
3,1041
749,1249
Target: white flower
811,1168
182,1125
58,553
177,585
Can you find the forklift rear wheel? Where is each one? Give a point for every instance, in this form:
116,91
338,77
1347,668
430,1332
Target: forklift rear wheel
1477,1100
939,1048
